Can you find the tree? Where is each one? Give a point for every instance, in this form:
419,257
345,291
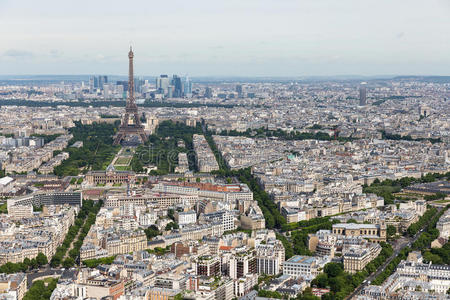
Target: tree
333,269
307,295
34,263
68,262
328,296
337,284
27,261
41,259
178,296
151,232
391,230
171,225
322,280
40,291
56,261
435,259
170,214
93,263
270,294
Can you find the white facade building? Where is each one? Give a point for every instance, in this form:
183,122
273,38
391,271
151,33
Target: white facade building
184,218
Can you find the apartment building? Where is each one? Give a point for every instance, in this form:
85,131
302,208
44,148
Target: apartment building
184,218
189,248
223,217
13,286
355,258
241,264
206,161
20,211
243,285
124,242
50,165
270,258
207,266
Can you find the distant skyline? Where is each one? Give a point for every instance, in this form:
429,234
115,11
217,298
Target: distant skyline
226,38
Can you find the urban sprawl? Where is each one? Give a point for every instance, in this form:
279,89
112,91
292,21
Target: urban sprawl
331,189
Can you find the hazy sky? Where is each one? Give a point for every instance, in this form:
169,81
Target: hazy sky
226,37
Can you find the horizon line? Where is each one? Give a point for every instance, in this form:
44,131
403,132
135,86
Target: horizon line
237,76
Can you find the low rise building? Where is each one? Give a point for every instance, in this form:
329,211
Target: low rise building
302,266
372,232
46,199
110,176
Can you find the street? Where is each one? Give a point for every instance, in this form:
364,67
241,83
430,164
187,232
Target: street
41,273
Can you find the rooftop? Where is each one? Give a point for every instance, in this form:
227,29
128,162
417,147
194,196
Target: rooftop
302,259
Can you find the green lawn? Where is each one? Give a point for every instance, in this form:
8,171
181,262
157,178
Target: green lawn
49,280
123,168
441,201
123,160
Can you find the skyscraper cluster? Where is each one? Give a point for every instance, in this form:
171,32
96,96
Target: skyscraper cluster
100,85
175,87
97,82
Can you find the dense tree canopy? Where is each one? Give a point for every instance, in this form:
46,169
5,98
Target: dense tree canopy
162,148
96,153
40,291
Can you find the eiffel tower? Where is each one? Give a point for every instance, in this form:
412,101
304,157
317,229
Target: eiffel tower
131,124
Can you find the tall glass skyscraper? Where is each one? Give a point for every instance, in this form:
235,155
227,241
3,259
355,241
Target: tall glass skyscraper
178,86
187,87
362,93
